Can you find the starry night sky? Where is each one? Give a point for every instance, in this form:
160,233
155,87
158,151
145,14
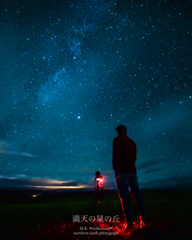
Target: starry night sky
72,71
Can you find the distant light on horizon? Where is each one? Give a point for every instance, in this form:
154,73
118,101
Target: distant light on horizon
60,187
35,195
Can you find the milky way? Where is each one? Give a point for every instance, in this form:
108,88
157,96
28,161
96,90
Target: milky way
71,71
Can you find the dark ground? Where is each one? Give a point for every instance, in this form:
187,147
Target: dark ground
49,215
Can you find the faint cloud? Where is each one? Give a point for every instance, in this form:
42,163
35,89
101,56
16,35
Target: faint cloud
174,182
22,181
27,154
9,150
147,164
153,170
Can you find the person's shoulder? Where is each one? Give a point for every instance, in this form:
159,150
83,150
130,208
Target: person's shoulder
116,139
131,140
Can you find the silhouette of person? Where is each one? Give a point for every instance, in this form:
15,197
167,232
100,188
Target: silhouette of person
99,180
99,186
124,158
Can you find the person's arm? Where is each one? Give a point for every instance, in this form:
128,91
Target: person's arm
115,154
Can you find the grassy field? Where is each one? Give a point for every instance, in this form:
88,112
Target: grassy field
50,216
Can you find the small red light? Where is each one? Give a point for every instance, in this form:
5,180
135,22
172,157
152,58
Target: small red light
99,179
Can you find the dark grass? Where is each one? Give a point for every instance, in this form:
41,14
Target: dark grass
50,216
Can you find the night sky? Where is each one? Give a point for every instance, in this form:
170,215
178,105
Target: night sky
72,71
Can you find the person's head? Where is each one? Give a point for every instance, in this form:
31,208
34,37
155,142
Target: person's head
121,129
97,174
